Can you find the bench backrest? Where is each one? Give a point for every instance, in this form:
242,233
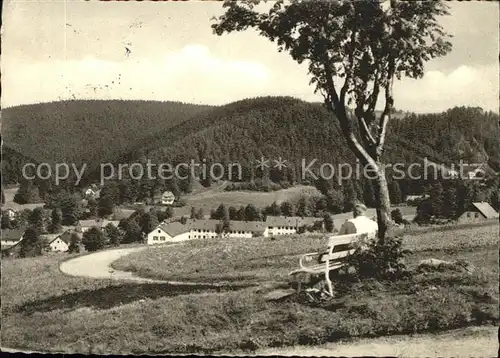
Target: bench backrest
341,246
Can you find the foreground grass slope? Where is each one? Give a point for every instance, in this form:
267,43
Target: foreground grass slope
45,310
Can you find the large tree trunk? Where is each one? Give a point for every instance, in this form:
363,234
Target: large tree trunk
383,203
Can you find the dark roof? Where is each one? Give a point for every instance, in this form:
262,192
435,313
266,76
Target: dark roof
234,225
486,209
174,228
66,237
247,226
290,221
11,235
98,223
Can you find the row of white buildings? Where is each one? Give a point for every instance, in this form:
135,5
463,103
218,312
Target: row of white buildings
206,229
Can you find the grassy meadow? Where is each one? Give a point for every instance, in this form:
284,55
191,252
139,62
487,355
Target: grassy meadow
211,199
44,310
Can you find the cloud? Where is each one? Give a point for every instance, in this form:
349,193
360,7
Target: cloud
437,91
194,74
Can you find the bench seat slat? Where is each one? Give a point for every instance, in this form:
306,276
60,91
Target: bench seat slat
336,255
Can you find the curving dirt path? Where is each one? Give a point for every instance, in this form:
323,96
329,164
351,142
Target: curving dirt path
98,265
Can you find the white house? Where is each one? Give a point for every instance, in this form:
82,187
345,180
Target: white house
287,225
167,198
10,213
203,229
210,228
85,225
58,242
11,237
92,192
412,198
171,232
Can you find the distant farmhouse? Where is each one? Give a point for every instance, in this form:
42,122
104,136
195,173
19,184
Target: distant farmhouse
478,212
10,213
167,198
92,192
210,228
11,238
415,199
85,225
58,242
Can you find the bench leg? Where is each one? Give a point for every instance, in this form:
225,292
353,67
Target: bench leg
329,284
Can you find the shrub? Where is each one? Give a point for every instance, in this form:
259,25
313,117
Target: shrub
397,216
380,260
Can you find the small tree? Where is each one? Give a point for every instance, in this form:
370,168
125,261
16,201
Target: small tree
233,213
93,239
200,214
395,192
148,222
133,232
113,235
74,243
251,213
6,224
31,245
328,222
397,216
193,213
37,220
55,221
287,208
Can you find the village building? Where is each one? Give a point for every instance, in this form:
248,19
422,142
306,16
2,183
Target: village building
410,199
167,198
92,192
58,242
171,232
478,212
10,238
206,229
287,225
10,213
85,225
210,228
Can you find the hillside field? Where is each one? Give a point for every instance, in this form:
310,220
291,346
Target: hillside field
44,310
211,199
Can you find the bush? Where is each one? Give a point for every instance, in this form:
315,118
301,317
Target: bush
397,216
380,260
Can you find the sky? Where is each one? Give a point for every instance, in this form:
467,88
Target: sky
56,49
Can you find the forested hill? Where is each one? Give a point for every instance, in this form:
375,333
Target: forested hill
88,131
282,126
242,131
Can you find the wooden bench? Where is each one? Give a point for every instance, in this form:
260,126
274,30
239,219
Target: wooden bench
333,258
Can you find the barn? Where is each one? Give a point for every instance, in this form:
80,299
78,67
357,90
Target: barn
478,212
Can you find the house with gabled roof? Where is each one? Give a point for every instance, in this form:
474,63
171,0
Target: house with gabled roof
168,232
167,198
11,237
58,242
478,211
